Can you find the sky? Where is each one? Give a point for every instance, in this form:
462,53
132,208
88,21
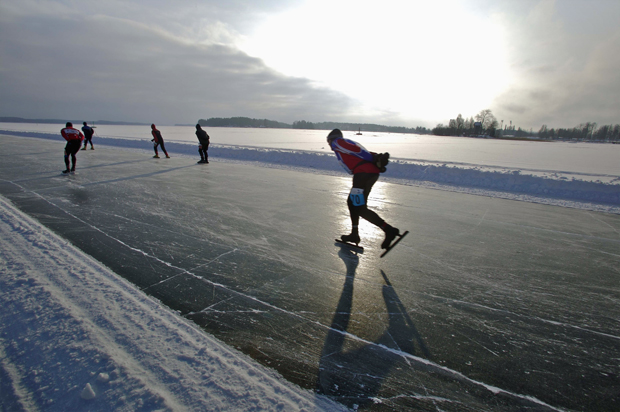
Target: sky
395,62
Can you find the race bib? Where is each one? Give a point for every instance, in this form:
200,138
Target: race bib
357,197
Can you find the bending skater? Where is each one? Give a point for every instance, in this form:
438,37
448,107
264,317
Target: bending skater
74,141
158,140
362,164
203,138
88,136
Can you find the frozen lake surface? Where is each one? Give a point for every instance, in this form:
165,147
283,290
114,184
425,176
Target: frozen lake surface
489,303
562,157
568,188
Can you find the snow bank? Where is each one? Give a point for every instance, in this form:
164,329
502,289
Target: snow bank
558,188
76,336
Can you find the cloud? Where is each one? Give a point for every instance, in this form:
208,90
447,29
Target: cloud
566,69
100,67
531,61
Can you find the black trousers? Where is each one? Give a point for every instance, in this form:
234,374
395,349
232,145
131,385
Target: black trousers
364,181
202,149
160,143
72,147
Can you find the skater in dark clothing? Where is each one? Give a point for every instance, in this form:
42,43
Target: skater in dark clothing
362,164
158,141
74,141
203,138
88,136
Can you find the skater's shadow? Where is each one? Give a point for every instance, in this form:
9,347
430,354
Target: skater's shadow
352,370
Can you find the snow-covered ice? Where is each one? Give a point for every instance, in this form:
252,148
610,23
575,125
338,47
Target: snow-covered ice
76,336
489,304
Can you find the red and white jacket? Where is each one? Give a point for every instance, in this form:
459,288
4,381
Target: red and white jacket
353,157
69,133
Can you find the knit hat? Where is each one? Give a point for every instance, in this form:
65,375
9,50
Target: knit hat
333,135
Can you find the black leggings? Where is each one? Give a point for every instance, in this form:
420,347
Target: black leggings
202,149
160,143
72,147
364,181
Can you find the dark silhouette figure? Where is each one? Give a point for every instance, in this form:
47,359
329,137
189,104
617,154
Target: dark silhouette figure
352,371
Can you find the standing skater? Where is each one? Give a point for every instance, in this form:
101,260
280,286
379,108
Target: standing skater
158,141
88,136
74,140
203,138
365,167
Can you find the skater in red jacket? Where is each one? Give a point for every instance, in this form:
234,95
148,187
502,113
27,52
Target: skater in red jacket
74,141
365,167
158,140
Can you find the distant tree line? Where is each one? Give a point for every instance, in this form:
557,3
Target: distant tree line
485,123
302,124
585,131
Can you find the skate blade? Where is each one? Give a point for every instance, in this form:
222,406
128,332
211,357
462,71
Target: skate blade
400,237
352,246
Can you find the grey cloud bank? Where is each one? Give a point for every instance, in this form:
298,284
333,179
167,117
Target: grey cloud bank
566,59
111,68
177,62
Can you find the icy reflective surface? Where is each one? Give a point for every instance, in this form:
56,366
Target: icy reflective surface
488,304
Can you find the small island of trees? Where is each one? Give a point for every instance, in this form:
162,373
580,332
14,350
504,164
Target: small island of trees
484,124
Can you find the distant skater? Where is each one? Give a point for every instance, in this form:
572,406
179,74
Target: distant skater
88,136
158,141
365,168
203,138
74,141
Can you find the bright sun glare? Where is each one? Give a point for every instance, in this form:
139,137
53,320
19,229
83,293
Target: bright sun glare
420,59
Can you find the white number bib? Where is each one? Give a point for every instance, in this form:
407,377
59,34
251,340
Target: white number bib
357,197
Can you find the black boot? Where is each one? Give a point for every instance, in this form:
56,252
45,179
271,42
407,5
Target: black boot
351,238
390,235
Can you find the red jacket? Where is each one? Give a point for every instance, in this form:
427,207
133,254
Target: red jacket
353,157
156,134
69,133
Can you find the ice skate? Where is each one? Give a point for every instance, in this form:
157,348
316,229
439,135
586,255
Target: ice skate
351,238
390,235
390,246
352,241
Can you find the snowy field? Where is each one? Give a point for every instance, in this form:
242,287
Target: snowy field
111,279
